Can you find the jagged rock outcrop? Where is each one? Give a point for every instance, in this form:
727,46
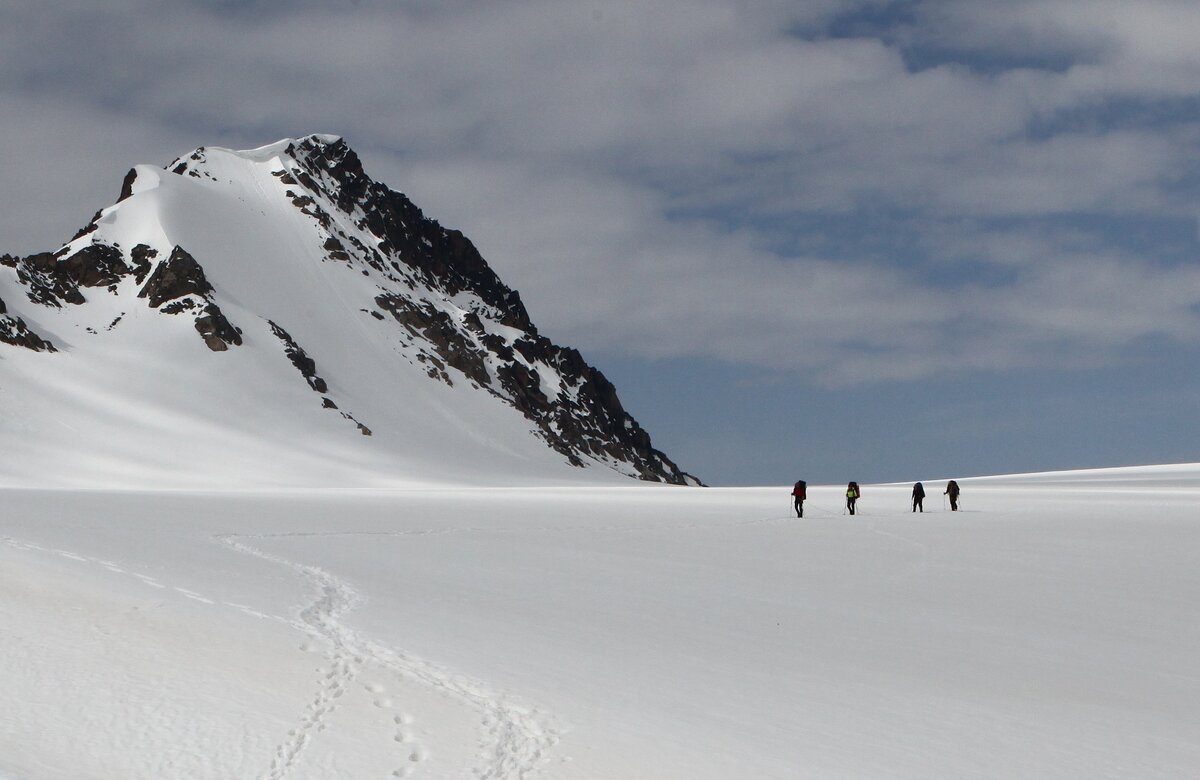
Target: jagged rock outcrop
300,359
13,330
180,280
52,280
178,276
44,280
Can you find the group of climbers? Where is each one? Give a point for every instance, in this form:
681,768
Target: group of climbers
800,492
918,496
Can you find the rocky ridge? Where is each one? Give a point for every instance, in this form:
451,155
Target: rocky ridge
457,320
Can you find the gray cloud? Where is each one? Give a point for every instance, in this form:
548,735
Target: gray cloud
636,168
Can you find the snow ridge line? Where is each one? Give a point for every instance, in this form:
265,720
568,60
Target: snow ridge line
518,738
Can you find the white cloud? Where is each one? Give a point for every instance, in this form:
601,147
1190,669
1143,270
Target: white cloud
630,166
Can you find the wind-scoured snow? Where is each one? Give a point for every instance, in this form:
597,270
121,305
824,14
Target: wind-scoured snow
1049,629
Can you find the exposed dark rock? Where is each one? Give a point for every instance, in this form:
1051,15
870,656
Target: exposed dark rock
472,323
180,280
175,277
591,421
142,255
47,282
336,250
498,347
524,387
96,265
217,331
88,228
300,359
440,331
364,430
446,259
180,306
13,330
127,185
181,166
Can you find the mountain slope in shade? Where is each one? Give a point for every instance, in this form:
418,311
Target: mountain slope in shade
275,316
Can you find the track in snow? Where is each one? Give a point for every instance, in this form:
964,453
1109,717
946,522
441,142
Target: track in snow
517,739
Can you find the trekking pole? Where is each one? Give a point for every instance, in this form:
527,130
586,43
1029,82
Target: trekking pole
943,502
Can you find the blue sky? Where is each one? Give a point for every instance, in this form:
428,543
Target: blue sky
839,239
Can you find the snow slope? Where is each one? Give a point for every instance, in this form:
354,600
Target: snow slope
1050,629
421,365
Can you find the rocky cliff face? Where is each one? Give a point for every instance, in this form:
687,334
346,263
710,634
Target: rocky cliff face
452,317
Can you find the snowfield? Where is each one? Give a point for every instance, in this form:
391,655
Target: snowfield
1050,629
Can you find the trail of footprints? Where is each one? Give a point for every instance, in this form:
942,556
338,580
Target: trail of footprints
336,681
335,678
514,741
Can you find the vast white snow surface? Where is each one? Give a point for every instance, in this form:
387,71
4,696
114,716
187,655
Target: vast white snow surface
1049,629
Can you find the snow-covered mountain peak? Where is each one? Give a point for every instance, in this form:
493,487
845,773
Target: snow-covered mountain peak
284,147
306,152
307,276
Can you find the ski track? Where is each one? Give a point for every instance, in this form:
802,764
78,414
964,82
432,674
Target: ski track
516,738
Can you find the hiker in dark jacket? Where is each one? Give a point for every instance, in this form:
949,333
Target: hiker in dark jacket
918,497
852,494
952,491
799,493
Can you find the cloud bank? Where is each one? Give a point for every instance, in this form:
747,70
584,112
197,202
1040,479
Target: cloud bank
852,191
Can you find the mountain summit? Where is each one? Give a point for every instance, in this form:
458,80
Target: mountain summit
276,317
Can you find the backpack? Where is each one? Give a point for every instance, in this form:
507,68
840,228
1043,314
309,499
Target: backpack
800,490
852,489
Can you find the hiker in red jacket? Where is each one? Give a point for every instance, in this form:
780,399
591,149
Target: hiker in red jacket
799,493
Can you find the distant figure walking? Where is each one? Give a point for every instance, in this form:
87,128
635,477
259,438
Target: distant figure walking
799,493
918,497
852,494
952,491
